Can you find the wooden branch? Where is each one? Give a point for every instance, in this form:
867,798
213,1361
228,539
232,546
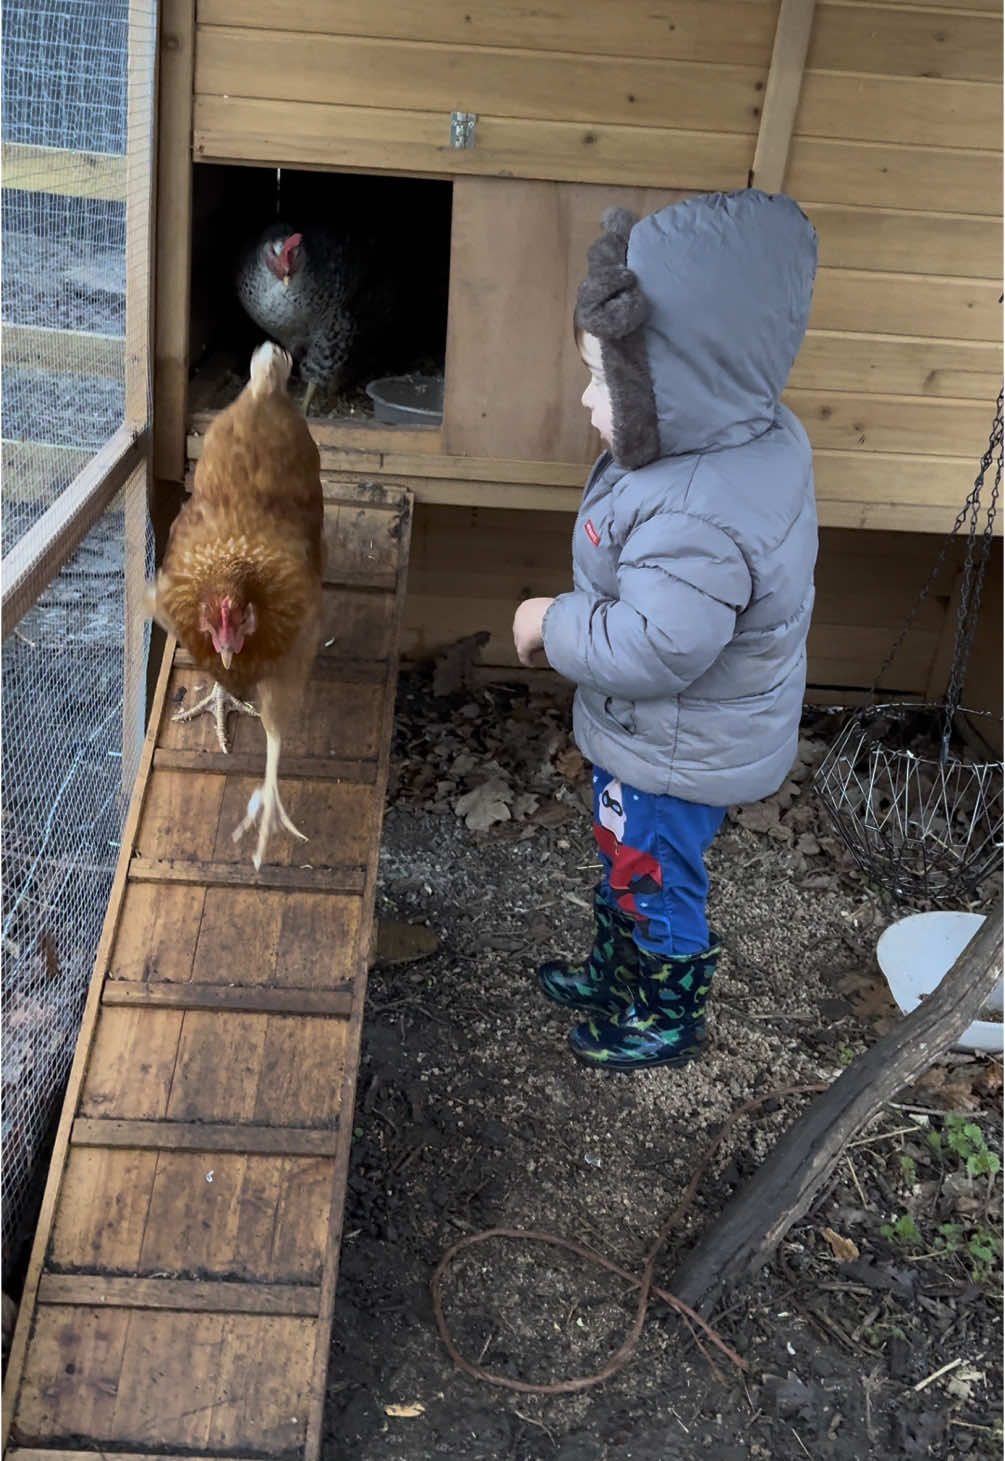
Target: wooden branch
784,1186
781,94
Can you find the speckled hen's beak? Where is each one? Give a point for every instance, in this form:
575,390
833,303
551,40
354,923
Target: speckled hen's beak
286,281
226,655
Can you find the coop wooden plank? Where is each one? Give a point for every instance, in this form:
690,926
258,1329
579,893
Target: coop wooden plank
845,421
217,1066
295,768
906,304
238,875
897,240
366,621
191,820
897,40
891,175
276,937
701,30
347,1083
930,112
250,129
195,1296
362,435
237,1214
251,999
203,1137
461,491
218,1383
429,76
846,361
902,481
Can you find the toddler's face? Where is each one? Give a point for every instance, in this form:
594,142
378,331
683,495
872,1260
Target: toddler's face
597,398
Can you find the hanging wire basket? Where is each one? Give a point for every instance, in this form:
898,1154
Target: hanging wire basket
924,828
920,815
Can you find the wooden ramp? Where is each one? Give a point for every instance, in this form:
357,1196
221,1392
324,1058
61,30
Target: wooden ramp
181,1287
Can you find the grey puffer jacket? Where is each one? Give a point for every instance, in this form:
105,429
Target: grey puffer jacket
694,546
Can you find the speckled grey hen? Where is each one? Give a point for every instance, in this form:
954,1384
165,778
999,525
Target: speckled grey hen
322,295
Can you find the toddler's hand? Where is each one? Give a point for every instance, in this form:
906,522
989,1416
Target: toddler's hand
527,623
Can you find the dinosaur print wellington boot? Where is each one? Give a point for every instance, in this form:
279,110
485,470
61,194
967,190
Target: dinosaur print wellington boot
604,980
666,1023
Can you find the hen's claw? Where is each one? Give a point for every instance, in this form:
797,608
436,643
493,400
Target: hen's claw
269,806
218,703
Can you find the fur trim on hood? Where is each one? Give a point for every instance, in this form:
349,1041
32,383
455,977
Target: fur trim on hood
611,306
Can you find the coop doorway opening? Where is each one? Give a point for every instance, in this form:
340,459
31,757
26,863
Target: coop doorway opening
349,272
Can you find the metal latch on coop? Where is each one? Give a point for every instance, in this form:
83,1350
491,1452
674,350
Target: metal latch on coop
462,128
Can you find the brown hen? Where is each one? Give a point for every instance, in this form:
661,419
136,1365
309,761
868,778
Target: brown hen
240,585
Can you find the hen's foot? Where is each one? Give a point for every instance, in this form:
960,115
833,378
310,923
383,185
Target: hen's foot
265,804
308,397
219,703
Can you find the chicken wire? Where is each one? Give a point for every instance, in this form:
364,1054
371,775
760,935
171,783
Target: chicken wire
65,73
78,78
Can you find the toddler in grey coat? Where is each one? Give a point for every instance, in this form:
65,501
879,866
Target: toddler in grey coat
693,555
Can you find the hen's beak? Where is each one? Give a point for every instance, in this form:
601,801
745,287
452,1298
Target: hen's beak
286,281
226,655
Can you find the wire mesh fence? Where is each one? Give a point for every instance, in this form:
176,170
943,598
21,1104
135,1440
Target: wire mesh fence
78,106
65,128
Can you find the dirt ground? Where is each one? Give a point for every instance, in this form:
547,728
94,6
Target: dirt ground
875,1332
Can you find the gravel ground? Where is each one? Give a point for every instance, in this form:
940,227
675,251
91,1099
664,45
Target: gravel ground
471,1114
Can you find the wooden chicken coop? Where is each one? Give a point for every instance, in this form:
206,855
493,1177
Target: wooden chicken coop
188,1248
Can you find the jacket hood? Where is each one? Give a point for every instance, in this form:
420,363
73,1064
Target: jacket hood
700,311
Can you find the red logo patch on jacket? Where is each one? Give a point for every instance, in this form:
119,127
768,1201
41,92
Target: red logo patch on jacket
592,533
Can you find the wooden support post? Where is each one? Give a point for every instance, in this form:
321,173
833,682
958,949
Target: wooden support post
139,204
784,1186
134,669
38,556
781,95
173,240
140,118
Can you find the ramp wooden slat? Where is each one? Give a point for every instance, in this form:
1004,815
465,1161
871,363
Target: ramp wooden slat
181,1287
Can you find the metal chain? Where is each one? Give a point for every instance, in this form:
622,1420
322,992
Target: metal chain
969,509
974,570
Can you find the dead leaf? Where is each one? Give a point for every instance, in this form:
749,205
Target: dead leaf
453,665
758,817
525,805
406,1411
403,943
988,1079
570,764
958,1095
844,1250
484,805
552,814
